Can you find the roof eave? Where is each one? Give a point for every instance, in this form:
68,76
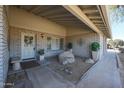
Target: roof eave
107,20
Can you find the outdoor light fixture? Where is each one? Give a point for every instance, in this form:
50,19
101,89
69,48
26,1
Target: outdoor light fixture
42,35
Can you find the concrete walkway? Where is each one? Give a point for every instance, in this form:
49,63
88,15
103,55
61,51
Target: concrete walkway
104,74
43,77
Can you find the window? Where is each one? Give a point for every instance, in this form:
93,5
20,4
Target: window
49,43
61,43
55,43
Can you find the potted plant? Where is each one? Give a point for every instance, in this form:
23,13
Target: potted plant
95,46
41,54
69,46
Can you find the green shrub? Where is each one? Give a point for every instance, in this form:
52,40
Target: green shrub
41,51
95,46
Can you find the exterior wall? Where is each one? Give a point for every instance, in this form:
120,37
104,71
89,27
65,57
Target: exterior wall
87,38
72,31
83,50
15,40
4,54
22,19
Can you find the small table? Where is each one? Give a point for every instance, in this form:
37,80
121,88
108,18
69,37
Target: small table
16,64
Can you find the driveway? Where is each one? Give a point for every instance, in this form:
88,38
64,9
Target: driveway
104,74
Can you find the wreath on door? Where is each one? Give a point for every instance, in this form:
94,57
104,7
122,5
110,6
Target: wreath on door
28,40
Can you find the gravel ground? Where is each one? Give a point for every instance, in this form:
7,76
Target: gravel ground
121,56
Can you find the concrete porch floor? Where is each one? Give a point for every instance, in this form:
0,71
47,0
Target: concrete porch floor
104,74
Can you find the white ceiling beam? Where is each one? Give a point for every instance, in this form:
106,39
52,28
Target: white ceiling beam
90,11
60,16
76,11
69,19
94,17
53,11
100,24
102,27
34,9
42,10
97,21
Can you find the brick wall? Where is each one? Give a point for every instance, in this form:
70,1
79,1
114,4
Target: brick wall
4,54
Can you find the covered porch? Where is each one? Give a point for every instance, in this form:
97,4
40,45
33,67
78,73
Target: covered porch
96,77
52,28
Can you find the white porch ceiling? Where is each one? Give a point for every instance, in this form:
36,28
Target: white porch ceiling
55,13
62,16
94,13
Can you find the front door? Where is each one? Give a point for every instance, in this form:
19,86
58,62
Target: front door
27,45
